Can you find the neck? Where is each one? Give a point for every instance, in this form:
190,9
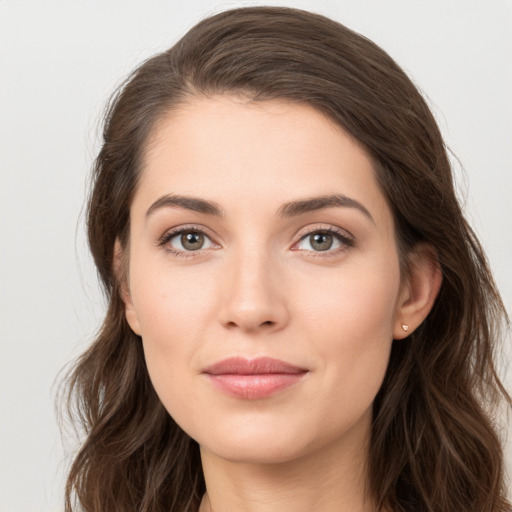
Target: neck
326,480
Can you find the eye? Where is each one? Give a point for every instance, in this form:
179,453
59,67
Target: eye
186,240
324,240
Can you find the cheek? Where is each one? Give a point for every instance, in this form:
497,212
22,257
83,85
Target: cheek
359,300
169,303
354,318
173,309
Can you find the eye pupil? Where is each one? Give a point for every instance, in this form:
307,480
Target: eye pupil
321,241
192,241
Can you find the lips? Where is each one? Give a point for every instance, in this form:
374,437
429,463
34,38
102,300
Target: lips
253,379
241,366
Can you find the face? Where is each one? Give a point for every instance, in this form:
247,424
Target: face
263,277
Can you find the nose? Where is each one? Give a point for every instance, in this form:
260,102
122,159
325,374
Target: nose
253,295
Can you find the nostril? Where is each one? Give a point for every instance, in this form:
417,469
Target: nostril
245,325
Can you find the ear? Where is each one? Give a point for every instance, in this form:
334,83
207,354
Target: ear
419,291
121,271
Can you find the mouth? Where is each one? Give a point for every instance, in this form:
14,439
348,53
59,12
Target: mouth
253,379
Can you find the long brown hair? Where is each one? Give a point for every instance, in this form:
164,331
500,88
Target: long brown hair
434,446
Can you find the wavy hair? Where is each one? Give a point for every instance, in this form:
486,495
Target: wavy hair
433,428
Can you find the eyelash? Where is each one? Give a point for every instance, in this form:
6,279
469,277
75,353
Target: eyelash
346,240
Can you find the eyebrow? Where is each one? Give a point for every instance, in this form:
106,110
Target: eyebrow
187,202
290,209
312,204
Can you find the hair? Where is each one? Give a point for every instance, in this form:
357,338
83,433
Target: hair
434,444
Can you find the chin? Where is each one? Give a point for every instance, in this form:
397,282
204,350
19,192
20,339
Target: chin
256,451
280,444
253,440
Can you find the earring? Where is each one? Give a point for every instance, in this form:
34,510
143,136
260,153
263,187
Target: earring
405,327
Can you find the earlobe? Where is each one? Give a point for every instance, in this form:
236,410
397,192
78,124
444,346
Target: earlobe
120,262
419,292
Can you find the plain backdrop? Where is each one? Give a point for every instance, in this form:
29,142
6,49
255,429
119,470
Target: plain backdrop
59,62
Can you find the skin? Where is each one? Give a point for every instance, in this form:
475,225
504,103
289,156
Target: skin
259,287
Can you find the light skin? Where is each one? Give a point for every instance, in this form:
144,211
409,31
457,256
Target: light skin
266,272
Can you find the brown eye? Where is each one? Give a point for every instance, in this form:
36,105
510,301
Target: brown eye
321,241
192,240
186,241
324,241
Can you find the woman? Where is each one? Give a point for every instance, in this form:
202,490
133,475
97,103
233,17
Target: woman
299,316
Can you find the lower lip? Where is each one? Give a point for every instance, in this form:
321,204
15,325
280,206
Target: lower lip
252,387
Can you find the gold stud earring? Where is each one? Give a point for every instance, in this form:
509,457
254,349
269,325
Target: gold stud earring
405,327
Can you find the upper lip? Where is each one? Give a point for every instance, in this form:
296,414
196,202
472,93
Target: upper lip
258,366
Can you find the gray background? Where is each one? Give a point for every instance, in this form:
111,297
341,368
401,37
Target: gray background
60,60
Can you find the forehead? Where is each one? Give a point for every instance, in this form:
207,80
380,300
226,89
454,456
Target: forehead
245,125
234,150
